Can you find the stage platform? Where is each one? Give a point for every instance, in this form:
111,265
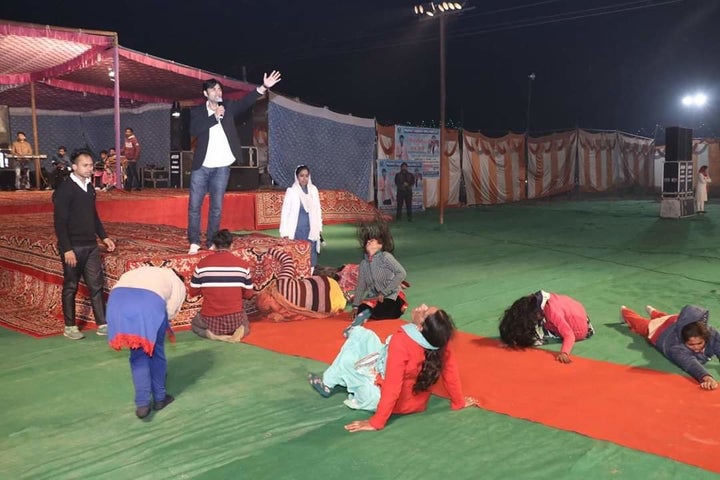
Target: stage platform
149,228
249,211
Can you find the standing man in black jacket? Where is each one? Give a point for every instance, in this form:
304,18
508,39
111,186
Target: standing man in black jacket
404,181
218,146
76,226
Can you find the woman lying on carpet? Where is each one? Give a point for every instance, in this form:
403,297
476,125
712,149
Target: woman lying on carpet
685,339
534,319
395,377
378,294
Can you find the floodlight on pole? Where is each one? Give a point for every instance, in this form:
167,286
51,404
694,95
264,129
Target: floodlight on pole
697,100
442,10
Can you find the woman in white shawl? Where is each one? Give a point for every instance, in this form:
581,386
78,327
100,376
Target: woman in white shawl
701,195
301,217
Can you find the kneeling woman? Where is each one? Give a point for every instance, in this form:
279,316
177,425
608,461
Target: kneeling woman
395,377
535,318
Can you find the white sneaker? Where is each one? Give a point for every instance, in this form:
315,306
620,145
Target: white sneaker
194,249
622,319
649,309
73,333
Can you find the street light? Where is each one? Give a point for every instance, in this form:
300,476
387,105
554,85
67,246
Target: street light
440,11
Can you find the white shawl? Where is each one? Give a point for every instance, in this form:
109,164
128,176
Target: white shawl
294,197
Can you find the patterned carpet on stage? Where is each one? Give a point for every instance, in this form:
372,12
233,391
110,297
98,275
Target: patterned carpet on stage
338,206
31,271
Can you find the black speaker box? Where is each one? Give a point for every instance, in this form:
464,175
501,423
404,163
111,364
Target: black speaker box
7,179
678,144
243,178
180,169
670,177
180,131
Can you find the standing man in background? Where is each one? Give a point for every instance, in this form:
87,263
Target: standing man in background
76,226
131,151
404,182
218,146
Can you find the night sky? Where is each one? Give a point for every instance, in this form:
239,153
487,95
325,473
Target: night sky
599,64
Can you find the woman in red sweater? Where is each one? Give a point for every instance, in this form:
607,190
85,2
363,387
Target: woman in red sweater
395,377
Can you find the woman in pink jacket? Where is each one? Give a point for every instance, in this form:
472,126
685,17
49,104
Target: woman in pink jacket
535,318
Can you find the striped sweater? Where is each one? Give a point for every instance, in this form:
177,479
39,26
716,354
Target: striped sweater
223,280
379,274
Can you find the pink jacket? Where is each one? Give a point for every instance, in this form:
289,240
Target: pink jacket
566,318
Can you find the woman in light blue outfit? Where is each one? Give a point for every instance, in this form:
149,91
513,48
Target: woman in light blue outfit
395,377
361,358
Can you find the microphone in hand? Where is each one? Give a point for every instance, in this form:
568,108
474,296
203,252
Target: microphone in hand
220,115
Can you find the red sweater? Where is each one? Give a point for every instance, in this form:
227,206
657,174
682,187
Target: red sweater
224,280
404,362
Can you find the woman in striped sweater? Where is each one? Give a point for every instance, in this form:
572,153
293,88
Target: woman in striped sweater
378,294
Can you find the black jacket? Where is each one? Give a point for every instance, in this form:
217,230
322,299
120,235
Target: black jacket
201,122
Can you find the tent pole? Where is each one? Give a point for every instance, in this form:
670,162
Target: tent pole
116,108
36,160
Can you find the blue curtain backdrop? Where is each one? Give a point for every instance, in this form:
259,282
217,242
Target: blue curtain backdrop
338,149
96,131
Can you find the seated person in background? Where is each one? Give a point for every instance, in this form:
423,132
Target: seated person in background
223,280
395,377
378,294
21,148
100,170
532,319
685,339
108,178
60,167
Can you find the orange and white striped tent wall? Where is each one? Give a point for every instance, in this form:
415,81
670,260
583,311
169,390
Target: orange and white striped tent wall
598,155
551,164
494,168
636,166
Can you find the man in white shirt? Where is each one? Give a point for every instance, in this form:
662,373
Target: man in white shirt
218,146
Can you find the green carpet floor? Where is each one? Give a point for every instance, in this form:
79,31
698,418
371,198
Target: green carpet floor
242,412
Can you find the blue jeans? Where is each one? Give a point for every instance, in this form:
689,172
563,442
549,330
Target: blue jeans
148,373
203,181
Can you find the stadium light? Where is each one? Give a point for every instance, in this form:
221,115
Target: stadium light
697,100
442,10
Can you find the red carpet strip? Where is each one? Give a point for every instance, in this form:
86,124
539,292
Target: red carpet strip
659,413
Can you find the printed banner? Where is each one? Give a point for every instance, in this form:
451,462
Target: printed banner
387,190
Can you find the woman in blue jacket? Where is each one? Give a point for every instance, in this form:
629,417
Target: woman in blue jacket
685,338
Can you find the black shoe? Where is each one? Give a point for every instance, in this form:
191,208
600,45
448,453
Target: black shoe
142,412
160,405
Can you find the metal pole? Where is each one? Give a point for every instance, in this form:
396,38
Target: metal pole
36,150
531,77
442,119
116,114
